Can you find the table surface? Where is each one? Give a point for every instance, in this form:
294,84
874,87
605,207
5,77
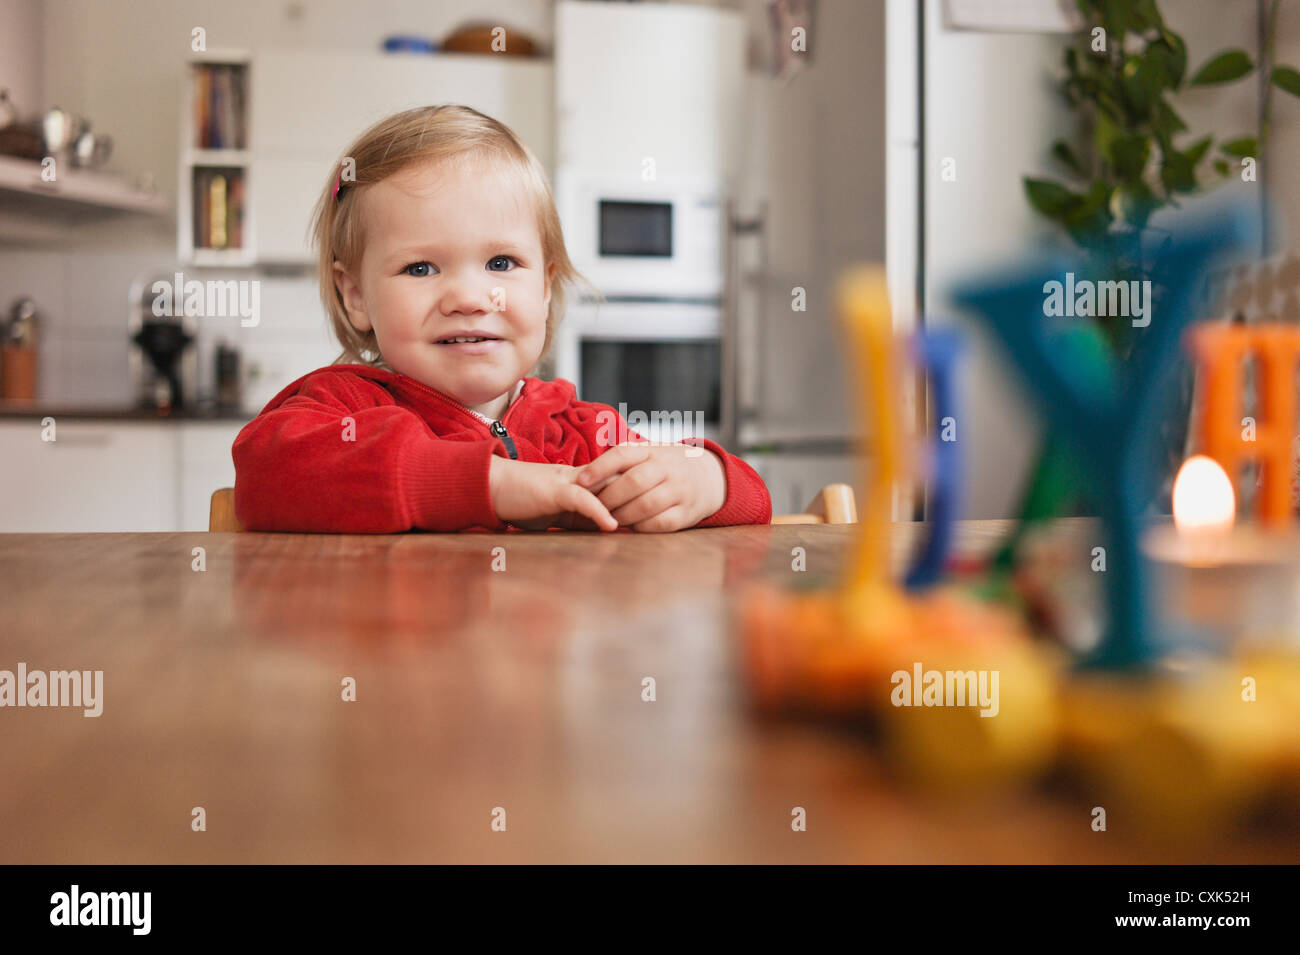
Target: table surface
491,671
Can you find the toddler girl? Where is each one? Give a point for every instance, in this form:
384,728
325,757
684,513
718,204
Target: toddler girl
443,268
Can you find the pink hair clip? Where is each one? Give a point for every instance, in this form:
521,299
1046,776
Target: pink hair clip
338,183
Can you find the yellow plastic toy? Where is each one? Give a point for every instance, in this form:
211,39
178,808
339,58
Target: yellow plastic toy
1170,754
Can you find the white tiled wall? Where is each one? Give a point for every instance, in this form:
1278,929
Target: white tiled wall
82,294
119,62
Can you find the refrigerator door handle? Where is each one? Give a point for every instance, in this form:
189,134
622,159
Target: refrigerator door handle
729,412
741,339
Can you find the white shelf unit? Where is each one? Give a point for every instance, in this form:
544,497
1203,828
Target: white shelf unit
294,141
217,157
194,158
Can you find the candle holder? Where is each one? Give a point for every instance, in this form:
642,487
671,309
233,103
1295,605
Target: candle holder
907,658
1104,419
1161,736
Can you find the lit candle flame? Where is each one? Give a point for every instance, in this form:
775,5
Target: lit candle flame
1203,500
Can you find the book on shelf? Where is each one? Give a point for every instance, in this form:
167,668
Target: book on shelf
220,105
235,215
219,195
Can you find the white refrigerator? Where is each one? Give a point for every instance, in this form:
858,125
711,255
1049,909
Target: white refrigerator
800,164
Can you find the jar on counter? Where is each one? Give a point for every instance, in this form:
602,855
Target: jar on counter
229,383
18,369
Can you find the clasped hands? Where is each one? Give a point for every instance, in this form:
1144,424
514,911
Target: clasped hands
648,487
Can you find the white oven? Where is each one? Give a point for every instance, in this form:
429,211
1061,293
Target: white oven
659,364
659,239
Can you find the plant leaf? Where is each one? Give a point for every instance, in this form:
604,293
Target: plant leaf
1128,155
1104,132
1062,151
1108,105
1227,66
1197,150
1285,78
1241,148
1171,53
1090,219
1144,79
1177,172
1165,123
1148,14
1175,121
1115,16
1222,167
1050,198
1087,208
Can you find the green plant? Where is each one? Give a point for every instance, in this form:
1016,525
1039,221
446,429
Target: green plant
1119,77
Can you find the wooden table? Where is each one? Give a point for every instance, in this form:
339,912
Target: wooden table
518,687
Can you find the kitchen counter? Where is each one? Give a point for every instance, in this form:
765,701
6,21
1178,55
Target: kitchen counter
40,409
484,678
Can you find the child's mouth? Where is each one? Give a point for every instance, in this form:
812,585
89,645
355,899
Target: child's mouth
469,344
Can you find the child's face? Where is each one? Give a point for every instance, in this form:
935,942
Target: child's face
450,251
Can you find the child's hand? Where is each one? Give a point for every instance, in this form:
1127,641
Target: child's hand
656,488
537,496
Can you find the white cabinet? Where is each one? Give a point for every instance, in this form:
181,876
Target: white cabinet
284,190
203,450
793,479
111,476
313,104
649,81
306,107
92,477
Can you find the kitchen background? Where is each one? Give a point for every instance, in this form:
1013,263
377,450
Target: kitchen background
780,169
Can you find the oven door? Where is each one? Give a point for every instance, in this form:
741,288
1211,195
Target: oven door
658,365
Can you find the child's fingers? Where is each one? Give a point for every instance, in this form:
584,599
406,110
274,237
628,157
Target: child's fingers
581,501
631,484
576,522
535,524
654,501
673,519
597,488
613,461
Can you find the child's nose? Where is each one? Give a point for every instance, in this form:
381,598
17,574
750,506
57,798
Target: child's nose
465,293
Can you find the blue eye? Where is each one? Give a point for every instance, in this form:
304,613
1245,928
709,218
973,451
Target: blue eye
501,258
418,265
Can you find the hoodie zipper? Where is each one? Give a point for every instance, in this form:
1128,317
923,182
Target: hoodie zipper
497,429
500,431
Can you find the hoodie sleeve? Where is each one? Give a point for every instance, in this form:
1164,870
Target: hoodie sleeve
340,456
748,500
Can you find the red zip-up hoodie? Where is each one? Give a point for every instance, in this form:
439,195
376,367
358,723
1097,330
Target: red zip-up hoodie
354,449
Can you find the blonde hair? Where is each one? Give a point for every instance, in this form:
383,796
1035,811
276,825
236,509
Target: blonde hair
409,138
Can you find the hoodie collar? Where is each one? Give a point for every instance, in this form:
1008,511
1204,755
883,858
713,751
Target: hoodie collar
519,386
544,397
